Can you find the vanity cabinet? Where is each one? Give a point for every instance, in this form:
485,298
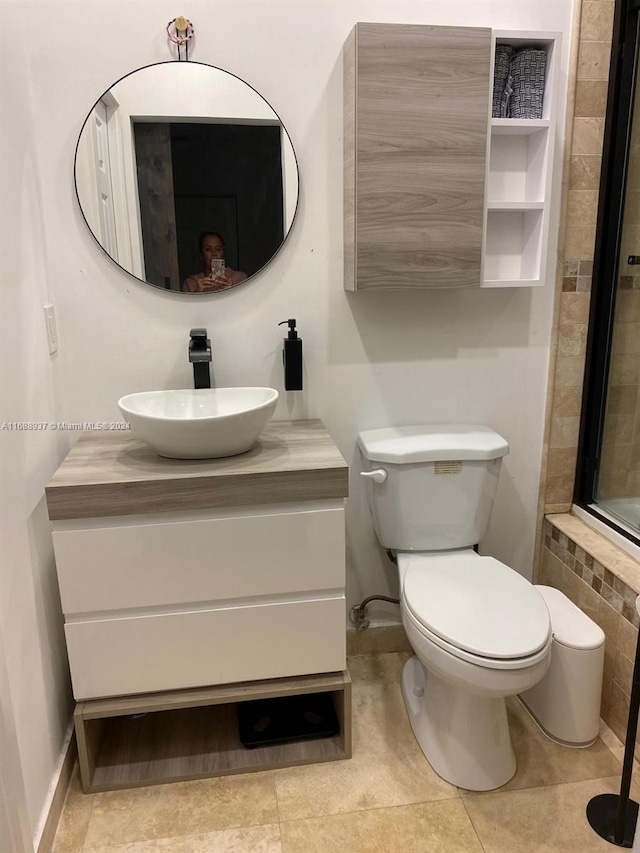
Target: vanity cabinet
192,601
182,579
437,193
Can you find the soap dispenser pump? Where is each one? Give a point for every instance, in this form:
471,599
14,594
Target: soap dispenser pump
292,358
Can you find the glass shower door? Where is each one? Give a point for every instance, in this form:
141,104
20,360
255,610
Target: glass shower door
618,481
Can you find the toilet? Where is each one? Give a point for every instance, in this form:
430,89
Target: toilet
479,630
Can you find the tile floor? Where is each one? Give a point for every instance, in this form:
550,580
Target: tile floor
386,798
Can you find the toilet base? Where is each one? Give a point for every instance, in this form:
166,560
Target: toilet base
464,737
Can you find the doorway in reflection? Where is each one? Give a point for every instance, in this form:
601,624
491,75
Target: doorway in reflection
225,178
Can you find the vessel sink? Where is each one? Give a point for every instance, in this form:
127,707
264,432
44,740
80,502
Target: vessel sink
205,423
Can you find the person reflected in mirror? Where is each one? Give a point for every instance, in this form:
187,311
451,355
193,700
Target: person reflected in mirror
215,275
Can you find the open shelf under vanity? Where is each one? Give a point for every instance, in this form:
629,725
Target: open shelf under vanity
174,736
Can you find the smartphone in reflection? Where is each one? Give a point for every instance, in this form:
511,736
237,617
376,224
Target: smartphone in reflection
217,267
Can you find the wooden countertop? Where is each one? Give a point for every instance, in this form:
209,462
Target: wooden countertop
113,473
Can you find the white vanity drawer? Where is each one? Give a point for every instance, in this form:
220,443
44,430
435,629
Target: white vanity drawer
143,654
106,565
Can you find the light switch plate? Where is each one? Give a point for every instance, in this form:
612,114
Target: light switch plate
52,329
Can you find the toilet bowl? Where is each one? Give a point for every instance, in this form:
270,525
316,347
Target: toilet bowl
480,633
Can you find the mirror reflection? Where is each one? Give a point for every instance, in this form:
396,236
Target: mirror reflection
186,177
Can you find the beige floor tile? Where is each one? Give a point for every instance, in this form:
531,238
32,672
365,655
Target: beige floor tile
381,725
543,762
184,808
380,639
253,839
539,820
424,828
377,669
386,798
380,721
366,781
74,821
617,747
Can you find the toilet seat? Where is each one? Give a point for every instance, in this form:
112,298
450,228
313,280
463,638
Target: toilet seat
476,608
478,660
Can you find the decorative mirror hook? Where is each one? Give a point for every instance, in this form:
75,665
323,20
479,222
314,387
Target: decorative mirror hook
180,31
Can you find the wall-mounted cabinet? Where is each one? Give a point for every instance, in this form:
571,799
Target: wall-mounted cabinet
437,192
415,155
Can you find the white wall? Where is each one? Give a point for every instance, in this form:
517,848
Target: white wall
15,831
370,359
193,91
35,699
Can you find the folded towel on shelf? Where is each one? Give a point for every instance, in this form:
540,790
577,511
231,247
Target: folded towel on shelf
504,52
527,77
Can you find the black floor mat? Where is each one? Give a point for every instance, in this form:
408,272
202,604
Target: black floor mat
289,718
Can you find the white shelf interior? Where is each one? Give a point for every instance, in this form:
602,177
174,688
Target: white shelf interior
517,126
513,247
517,167
519,182
515,205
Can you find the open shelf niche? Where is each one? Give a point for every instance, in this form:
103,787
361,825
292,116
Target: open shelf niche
518,181
153,738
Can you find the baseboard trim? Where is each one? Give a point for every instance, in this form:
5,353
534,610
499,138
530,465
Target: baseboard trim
57,794
377,640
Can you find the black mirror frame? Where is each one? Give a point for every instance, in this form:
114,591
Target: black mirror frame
120,267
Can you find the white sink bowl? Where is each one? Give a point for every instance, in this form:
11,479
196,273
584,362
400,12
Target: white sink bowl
205,423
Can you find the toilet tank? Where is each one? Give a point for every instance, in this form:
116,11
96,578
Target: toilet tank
438,484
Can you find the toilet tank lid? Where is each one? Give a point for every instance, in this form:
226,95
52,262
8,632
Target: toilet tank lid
431,443
570,626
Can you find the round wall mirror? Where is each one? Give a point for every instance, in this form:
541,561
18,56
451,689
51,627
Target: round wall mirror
186,177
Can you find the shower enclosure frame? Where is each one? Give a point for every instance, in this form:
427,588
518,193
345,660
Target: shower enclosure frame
623,75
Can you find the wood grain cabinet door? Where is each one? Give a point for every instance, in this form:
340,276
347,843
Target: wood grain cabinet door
416,124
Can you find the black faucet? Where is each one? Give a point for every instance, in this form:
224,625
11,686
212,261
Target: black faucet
200,356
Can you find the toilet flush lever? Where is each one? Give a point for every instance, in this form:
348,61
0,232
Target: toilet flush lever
378,476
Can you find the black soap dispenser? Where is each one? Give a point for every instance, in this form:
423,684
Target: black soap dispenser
292,358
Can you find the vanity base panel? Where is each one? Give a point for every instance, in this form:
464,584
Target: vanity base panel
193,734
169,651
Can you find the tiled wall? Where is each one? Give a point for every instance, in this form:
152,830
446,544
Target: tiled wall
564,564
610,603
580,226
